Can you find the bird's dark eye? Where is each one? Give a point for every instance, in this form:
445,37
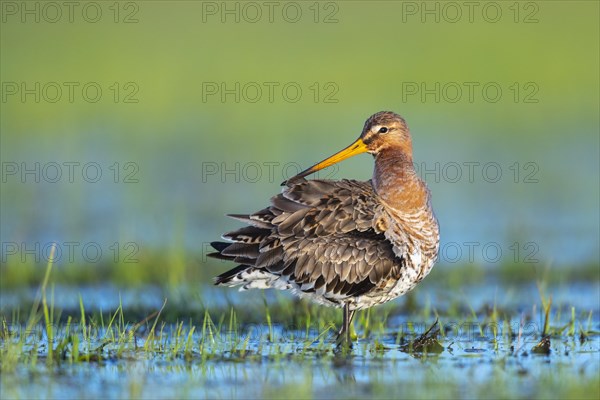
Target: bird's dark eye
383,129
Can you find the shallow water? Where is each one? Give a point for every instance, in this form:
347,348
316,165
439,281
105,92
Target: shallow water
469,366
482,357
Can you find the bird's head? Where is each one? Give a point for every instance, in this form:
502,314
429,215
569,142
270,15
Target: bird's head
382,130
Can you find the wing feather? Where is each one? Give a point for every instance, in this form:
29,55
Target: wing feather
322,236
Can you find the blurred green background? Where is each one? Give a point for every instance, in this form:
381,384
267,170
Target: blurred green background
175,156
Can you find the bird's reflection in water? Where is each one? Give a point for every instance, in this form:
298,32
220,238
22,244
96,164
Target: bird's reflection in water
342,366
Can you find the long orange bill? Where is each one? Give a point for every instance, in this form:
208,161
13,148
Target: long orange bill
355,148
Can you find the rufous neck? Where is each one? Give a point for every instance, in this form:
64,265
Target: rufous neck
396,182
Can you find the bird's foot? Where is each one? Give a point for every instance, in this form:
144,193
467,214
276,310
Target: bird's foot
343,340
343,344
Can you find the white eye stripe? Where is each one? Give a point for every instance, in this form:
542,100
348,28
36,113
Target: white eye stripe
381,129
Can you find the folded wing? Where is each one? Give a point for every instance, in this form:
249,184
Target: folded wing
318,236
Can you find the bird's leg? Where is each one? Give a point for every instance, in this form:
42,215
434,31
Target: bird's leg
344,333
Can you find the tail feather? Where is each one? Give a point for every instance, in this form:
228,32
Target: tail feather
219,246
247,234
253,220
243,247
228,276
248,277
220,256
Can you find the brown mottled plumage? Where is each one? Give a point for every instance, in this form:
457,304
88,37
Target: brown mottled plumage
342,243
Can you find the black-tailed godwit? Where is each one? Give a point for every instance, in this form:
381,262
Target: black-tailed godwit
344,243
